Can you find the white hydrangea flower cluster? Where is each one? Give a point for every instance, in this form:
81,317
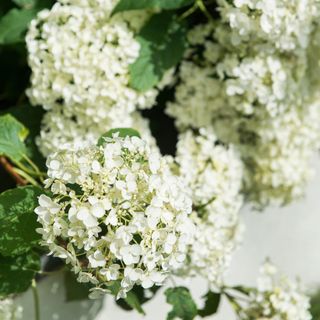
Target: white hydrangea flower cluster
265,80
248,80
261,100
277,298
117,214
80,56
279,155
80,59
214,174
135,19
10,311
287,24
264,83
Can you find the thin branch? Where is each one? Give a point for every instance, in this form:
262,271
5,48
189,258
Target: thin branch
36,300
204,9
27,177
10,169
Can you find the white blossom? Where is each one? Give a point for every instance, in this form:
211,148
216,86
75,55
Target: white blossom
214,173
279,153
126,221
259,99
80,57
287,24
277,298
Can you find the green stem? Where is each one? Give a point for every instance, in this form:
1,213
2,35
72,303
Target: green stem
27,177
235,305
36,173
189,12
51,273
36,300
173,281
202,206
204,9
33,165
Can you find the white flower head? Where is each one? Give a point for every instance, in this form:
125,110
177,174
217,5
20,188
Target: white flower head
277,298
128,221
257,98
285,24
80,57
214,173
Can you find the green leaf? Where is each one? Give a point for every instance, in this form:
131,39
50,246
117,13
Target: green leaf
141,296
244,290
31,118
75,290
12,136
125,5
16,273
183,305
159,51
14,24
131,299
25,3
315,306
212,301
123,132
44,4
18,222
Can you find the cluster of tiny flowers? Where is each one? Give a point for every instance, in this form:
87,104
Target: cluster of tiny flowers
10,311
80,59
60,132
214,174
278,156
80,56
261,100
117,213
248,81
135,19
287,24
277,298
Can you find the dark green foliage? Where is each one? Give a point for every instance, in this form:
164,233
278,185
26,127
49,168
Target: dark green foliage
123,132
16,273
141,296
315,306
159,51
12,136
183,306
131,300
18,222
74,289
212,301
125,5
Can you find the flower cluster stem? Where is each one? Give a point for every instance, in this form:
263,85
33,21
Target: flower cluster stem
36,300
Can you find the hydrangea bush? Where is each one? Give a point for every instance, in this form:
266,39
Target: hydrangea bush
137,131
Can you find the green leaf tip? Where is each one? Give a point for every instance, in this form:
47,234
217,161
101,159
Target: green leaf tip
159,51
12,136
183,306
127,5
212,302
18,222
123,132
